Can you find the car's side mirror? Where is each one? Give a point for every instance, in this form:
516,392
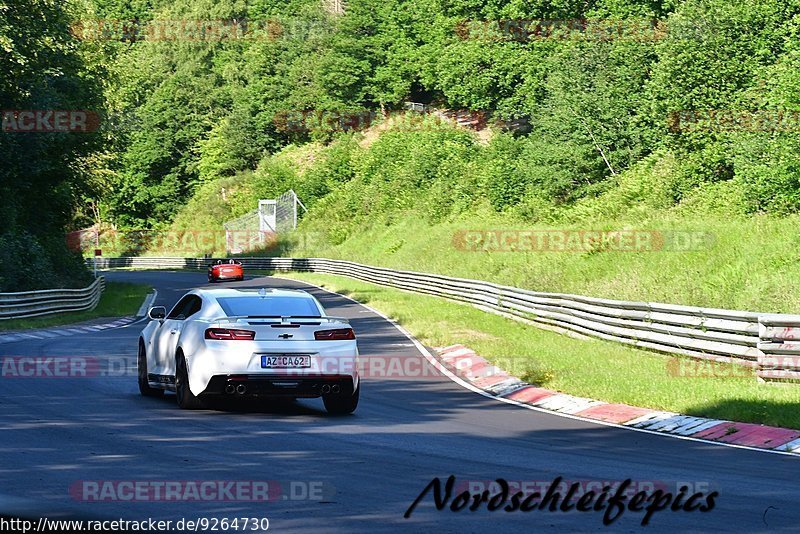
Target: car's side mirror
157,312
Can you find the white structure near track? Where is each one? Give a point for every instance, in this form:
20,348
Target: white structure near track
260,227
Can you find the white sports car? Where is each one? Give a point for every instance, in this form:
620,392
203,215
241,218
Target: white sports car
237,342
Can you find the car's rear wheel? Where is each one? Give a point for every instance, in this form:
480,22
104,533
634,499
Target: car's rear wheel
141,364
341,404
186,399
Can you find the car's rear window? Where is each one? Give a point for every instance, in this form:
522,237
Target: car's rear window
266,306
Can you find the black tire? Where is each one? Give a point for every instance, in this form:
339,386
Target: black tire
141,364
186,399
341,405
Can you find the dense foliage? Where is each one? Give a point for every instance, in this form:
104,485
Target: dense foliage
43,175
597,103
197,110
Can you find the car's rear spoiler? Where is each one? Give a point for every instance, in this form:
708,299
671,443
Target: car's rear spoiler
287,319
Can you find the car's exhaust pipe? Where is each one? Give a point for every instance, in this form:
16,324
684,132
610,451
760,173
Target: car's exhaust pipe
241,389
335,388
230,389
326,389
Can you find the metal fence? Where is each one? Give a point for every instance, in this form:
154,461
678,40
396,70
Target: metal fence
259,227
769,343
286,212
243,233
45,302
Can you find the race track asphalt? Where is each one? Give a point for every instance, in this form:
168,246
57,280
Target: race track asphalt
57,432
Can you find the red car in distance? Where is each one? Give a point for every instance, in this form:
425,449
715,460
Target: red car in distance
230,270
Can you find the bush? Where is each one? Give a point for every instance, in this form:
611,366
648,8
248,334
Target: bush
28,263
770,172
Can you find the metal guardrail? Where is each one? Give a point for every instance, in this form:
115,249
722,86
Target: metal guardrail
779,344
767,342
47,301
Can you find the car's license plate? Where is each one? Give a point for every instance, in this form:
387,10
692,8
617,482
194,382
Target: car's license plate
285,361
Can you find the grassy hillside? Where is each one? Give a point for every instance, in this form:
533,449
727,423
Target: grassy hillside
751,266
406,198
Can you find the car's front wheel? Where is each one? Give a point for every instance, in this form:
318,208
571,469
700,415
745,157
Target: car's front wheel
144,385
342,404
186,399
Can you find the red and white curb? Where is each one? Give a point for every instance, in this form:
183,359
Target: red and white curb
64,331
476,371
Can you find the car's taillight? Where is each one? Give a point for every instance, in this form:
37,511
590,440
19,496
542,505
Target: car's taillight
339,333
230,333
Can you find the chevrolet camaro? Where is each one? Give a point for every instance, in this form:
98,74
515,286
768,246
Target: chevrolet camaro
249,343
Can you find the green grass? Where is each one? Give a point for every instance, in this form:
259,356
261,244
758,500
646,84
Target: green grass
591,368
119,299
752,263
